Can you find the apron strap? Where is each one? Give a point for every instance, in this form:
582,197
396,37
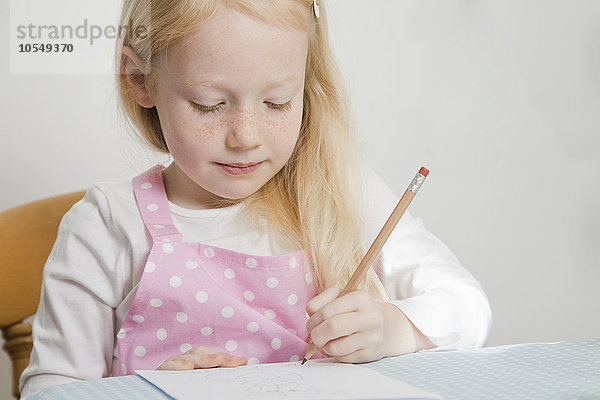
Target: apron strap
151,199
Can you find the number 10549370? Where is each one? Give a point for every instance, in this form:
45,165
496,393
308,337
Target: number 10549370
45,48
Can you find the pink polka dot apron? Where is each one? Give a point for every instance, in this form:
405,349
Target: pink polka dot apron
193,294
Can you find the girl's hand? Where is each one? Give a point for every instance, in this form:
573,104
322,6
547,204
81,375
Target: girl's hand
356,328
201,357
349,328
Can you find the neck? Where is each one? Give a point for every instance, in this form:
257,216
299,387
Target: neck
186,193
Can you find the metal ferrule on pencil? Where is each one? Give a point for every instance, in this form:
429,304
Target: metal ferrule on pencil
416,183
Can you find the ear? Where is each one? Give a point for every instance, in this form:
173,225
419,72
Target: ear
135,75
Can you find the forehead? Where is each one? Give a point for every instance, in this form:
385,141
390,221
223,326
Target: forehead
222,83
234,49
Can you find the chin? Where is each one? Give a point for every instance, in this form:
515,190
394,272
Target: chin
237,195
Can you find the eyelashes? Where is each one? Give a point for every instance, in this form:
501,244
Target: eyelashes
213,109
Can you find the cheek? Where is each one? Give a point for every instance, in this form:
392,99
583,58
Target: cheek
278,128
207,131
282,136
177,123
285,129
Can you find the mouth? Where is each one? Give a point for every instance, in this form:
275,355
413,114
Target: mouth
242,165
240,169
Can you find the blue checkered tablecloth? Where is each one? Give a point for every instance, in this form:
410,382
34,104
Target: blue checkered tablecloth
562,370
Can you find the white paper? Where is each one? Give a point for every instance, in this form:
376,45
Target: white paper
318,379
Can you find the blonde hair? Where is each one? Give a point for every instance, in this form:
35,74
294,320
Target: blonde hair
315,201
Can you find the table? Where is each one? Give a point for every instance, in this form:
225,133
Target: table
561,370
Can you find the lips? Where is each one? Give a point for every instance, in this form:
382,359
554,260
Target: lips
242,165
243,169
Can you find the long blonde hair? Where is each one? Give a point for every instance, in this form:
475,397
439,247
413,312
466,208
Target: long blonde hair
315,201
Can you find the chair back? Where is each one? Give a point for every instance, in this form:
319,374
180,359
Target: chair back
27,234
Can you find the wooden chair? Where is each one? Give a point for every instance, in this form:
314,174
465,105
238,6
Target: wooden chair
27,234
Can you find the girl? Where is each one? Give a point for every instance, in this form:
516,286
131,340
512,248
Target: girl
236,251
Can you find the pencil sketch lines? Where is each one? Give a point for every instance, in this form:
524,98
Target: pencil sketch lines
273,384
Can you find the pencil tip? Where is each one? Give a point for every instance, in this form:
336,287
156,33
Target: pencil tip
303,361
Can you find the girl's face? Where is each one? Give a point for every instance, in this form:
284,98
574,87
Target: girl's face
231,93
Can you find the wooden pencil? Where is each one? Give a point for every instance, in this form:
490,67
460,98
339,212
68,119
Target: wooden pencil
378,243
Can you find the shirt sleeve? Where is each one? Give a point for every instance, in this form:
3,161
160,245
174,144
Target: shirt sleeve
73,330
423,277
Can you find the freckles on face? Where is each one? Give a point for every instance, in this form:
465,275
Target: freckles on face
252,121
206,131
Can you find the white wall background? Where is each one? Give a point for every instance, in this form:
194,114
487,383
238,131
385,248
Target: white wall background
499,99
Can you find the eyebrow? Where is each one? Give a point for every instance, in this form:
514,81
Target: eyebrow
192,84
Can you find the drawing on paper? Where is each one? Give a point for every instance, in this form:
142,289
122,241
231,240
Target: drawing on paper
267,384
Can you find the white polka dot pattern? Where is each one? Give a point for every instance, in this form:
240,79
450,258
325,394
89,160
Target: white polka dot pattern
292,299
252,327
156,302
207,330
231,345
201,297
272,282
140,351
175,281
208,252
184,348
195,294
276,343
191,265
293,262
161,334
150,267
227,312
138,318
181,317
308,277
229,273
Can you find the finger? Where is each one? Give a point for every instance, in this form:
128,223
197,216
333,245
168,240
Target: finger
233,361
214,360
321,299
350,302
206,357
348,347
336,327
226,360
176,365
359,356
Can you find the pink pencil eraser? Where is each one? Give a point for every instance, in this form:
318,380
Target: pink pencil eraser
424,171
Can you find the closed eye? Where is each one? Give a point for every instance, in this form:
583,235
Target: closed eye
213,109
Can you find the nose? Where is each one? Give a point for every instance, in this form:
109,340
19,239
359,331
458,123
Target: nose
244,131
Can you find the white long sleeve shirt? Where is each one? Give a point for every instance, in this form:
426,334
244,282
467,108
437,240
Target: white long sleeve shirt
92,273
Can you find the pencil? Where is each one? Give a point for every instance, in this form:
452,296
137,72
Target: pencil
378,243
